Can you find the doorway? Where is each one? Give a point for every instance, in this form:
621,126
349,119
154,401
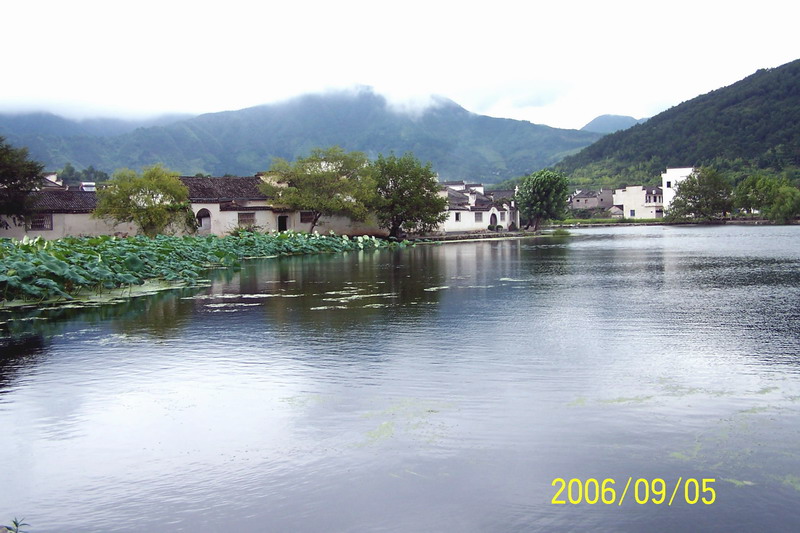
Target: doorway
283,222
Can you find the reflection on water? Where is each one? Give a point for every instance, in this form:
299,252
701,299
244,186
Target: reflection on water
437,388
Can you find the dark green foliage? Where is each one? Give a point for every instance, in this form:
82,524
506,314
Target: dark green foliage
704,196
541,196
407,195
752,125
775,198
19,176
459,144
155,201
328,182
37,269
69,175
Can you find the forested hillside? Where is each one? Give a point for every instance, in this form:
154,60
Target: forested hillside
750,126
459,144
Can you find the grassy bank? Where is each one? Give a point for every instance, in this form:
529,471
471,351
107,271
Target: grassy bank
39,270
591,221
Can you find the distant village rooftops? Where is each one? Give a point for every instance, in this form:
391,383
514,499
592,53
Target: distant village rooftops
203,189
59,200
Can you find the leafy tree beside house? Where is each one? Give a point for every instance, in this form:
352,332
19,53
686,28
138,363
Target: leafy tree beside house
408,196
776,198
542,196
19,177
704,196
329,182
155,200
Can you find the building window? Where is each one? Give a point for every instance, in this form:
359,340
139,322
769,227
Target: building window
669,185
502,216
41,222
633,213
247,219
458,217
306,217
478,217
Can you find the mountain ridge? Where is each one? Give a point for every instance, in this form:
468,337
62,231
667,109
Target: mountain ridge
752,125
459,144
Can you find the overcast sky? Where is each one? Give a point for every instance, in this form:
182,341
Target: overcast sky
559,63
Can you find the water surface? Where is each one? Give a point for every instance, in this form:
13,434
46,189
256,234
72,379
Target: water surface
438,388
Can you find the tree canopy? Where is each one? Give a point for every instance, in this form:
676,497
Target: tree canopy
774,197
19,176
408,195
329,182
542,196
704,196
156,201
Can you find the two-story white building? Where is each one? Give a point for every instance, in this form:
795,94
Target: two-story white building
470,208
640,201
670,180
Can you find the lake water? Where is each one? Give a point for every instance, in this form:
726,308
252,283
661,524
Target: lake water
436,388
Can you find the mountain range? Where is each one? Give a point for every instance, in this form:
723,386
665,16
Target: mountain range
460,145
751,126
612,123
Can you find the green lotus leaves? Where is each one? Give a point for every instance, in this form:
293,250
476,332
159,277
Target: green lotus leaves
41,270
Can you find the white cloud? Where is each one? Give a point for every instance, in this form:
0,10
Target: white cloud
560,64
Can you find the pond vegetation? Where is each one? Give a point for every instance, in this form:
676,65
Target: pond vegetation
39,270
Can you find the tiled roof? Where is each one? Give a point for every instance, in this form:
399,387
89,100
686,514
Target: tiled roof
458,200
587,194
217,189
63,201
501,193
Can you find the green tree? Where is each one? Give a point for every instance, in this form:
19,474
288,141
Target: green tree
155,201
328,182
19,177
756,192
785,204
408,195
68,174
703,196
541,196
772,196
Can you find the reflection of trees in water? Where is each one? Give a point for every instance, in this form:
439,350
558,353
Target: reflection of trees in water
337,291
17,353
161,314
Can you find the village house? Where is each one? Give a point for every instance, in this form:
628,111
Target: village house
670,180
638,201
59,211
586,199
470,208
224,204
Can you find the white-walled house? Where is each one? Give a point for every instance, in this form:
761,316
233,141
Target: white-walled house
58,212
223,204
586,199
670,180
470,208
638,201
